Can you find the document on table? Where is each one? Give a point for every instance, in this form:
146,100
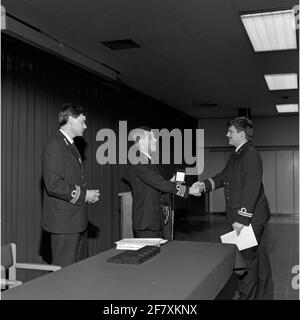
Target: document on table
245,240
137,243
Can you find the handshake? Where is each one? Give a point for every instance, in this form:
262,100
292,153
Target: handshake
197,188
92,196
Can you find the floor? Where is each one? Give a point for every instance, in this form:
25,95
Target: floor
282,239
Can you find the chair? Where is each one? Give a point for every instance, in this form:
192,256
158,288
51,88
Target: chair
8,263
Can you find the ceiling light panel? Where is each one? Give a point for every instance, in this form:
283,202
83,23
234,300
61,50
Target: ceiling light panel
283,108
269,31
281,81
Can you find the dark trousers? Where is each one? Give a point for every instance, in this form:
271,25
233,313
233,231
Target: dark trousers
68,248
148,233
256,283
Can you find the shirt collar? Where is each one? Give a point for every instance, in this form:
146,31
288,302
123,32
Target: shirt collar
146,154
66,135
236,150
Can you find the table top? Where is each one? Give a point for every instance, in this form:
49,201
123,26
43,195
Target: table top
182,270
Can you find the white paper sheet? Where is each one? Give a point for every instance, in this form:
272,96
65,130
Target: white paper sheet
245,240
137,243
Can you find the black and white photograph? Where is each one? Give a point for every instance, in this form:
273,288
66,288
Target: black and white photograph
149,154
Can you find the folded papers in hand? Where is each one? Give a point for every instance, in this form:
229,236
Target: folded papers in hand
138,243
246,239
135,256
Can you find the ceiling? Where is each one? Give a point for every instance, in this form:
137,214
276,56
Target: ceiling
193,55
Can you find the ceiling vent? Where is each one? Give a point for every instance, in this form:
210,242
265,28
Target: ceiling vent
121,44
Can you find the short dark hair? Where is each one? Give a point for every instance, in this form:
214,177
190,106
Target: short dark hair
243,124
67,110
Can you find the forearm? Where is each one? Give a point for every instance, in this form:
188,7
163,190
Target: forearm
213,183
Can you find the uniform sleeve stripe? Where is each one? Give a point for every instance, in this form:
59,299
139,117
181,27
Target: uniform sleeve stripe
75,194
245,214
213,186
181,190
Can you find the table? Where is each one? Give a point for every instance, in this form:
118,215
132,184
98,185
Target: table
182,270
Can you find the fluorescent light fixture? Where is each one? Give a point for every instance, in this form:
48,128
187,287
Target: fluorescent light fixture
282,108
270,31
282,81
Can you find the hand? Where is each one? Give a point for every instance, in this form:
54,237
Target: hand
173,179
237,227
92,196
201,186
195,189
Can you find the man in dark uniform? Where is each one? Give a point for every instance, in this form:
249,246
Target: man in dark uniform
64,213
147,185
246,203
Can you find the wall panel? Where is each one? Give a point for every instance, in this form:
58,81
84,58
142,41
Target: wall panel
285,181
280,179
269,178
296,182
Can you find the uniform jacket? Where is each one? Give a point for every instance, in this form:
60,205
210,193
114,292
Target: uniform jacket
64,188
243,188
147,185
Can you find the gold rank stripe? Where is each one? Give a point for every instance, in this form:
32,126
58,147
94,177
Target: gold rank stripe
213,186
75,195
181,190
245,214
